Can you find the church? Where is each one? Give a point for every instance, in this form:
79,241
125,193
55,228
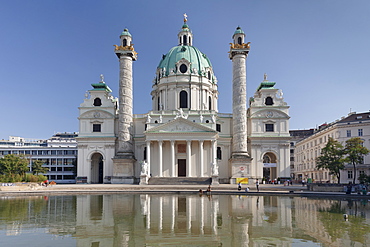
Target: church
184,138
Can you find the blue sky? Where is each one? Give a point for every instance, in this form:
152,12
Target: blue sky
51,51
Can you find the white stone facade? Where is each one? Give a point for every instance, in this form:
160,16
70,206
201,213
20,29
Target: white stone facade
184,135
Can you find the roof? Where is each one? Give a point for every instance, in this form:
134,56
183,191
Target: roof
100,87
266,85
126,32
353,117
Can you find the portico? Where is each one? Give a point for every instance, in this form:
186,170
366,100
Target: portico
190,151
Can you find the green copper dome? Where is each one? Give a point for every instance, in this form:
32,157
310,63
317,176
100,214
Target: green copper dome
198,60
238,30
126,32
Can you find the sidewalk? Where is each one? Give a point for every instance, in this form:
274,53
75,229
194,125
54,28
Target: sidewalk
265,189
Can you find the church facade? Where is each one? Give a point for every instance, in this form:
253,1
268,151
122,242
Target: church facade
184,136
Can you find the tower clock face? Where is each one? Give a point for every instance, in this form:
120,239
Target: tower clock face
269,114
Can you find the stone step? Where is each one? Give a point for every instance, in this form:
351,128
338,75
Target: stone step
178,180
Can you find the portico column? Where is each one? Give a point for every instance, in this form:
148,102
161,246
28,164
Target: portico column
160,165
188,158
173,158
148,157
214,151
201,169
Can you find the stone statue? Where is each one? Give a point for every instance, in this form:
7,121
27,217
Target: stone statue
101,78
148,119
181,114
144,168
213,118
160,119
201,118
214,169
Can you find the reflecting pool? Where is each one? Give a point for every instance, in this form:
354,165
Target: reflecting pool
182,220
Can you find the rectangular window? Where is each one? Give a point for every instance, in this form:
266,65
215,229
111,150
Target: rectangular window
269,127
361,173
68,161
218,127
96,127
360,133
348,133
219,153
349,174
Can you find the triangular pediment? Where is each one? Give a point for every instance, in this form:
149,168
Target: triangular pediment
181,125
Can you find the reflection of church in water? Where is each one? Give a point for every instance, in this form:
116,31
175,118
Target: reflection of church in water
184,135
182,220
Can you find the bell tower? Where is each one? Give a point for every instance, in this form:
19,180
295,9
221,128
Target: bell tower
123,162
238,54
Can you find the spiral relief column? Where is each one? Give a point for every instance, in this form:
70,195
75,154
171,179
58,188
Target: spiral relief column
123,162
238,55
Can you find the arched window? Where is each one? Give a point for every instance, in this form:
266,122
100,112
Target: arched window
209,103
97,102
144,153
159,103
183,99
239,40
124,42
209,75
184,39
189,40
269,101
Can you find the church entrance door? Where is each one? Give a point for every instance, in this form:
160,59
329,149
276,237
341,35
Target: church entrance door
97,165
181,168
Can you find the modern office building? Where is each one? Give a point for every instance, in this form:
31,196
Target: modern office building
58,153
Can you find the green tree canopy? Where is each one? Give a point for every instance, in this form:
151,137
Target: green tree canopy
37,167
355,152
331,158
12,164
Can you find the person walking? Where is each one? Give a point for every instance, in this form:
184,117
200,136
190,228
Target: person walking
258,185
239,186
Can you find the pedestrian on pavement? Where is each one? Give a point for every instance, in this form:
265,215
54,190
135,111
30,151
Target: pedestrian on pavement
257,185
239,187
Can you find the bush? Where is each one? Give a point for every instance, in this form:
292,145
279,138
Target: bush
41,178
31,178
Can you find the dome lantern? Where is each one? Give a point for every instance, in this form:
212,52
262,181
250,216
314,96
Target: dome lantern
185,36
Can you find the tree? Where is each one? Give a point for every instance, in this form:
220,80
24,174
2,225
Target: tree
12,164
37,167
355,152
331,158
